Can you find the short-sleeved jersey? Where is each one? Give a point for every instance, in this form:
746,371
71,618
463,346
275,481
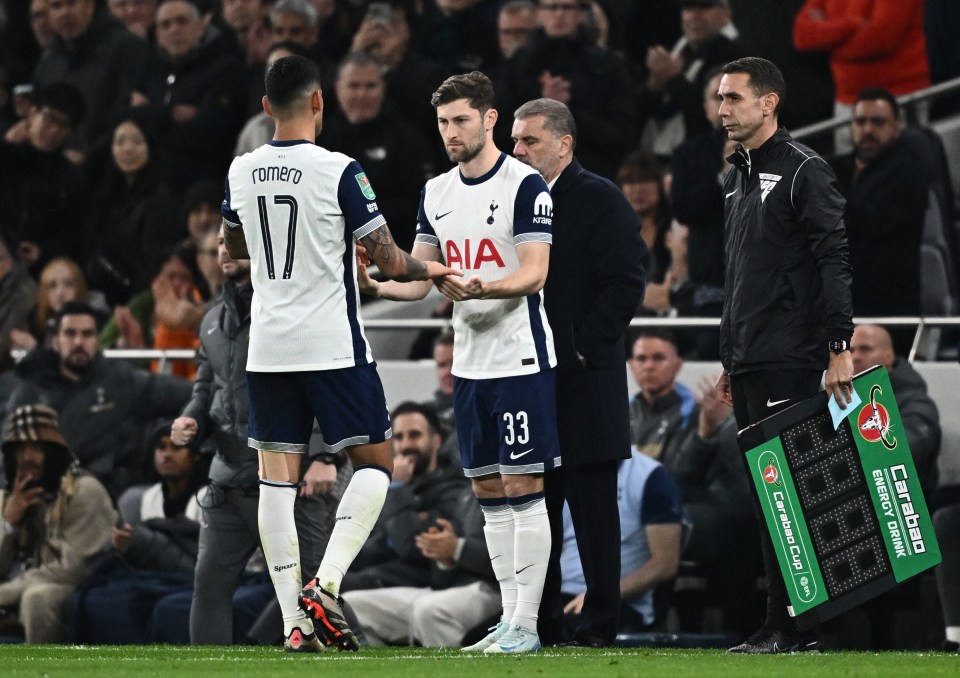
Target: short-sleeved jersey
478,224
301,207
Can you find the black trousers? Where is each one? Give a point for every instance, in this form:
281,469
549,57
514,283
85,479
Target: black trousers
591,492
757,395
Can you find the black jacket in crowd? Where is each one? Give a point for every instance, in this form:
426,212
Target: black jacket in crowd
788,274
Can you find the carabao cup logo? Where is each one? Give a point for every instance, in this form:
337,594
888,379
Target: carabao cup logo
873,422
771,475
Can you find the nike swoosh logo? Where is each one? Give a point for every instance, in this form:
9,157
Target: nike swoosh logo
496,556
729,194
441,216
211,330
514,455
523,568
774,403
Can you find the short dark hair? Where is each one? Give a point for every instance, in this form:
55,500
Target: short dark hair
475,87
427,412
557,118
359,59
661,333
879,93
765,77
73,308
289,46
64,98
290,79
445,338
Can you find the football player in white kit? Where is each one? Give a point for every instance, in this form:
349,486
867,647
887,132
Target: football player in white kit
295,209
490,216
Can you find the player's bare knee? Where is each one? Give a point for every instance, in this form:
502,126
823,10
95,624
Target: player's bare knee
374,454
488,487
282,467
518,485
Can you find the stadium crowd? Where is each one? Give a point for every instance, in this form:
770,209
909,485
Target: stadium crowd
119,122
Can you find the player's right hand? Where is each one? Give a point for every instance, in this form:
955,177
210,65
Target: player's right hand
365,283
437,271
183,431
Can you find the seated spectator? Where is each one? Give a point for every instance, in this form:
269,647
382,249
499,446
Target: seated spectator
462,592
664,411
95,53
201,208
102,404
153,553
245,19
516,22
137,16
300,21
871,44
56,520
393,154
651,535
563,62
18,293
887,197
422,491
168,315
135,214
208,263
196,102
640,177
260,127
42,193
60,281
671,100
411,78
708,468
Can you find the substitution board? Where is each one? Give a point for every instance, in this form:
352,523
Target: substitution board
842,503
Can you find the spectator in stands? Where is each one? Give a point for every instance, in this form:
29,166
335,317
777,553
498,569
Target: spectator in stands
153,553
137,16
943,50
217,412
671,99
56,519
871,44
197,100
201,208
460,35
94,52
246,20
887,198
516,22
42,193
167,315
102,404
462,592
410,77
208,263
442,402
651,528
664,412
27,34
396,158
421,492
299,21
60,281
872,345
708,468
640,177
135,214
562,62
259,128
17,295
698,166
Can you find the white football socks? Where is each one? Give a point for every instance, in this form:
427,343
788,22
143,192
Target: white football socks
499,532
531,553
356,515
953,634
281,548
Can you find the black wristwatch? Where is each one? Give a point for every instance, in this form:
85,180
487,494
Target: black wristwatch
837,346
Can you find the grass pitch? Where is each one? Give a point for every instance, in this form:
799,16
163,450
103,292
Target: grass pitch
236,662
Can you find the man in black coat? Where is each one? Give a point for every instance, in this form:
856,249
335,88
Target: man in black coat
595,282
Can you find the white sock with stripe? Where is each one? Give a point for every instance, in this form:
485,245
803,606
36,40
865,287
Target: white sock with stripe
499,532
531,554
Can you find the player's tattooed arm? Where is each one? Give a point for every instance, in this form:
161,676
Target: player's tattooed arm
234,241
396,264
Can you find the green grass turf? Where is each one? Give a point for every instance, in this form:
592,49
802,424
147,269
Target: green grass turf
103,661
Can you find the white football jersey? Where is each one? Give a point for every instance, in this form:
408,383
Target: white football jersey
478,224
301,207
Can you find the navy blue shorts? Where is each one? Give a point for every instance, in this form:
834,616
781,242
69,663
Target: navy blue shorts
348,404
507,425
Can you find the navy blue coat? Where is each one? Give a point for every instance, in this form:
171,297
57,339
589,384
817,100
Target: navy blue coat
595,283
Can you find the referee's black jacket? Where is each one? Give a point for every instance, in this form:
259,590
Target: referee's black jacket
788,275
